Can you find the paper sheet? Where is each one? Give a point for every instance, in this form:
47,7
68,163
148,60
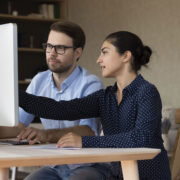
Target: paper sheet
50,146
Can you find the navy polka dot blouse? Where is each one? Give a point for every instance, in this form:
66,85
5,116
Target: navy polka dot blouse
135,122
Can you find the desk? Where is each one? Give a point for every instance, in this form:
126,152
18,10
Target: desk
30,156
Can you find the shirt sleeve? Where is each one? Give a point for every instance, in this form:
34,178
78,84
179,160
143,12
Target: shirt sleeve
24,117
147,121
75,109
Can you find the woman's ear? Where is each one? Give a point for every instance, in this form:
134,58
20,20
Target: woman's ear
78,53
127,56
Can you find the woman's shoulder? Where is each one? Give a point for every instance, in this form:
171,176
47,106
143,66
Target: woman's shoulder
110,89
146,88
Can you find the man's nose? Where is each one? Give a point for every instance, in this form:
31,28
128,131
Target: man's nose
53,51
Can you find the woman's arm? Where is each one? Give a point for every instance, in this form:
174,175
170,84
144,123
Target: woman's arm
70,110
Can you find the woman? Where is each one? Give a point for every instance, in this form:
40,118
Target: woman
130,110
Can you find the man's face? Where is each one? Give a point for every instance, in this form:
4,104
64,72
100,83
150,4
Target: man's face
61,63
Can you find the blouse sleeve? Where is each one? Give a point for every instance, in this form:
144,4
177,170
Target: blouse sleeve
147,122
86,107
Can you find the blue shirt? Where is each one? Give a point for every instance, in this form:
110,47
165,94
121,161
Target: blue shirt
135,122
79,84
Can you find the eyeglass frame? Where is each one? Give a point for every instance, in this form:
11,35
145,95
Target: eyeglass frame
44,45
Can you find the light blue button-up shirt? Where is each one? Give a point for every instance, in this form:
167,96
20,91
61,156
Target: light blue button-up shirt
79,84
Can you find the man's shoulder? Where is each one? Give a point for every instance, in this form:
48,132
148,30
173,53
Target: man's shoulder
87,83
39,80
42,75
85,74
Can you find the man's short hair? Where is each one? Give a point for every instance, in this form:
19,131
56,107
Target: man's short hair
72,30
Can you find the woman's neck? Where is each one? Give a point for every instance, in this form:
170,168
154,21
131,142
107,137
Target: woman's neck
124,80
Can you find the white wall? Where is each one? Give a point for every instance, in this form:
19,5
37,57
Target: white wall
157,22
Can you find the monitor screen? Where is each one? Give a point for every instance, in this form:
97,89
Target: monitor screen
8,75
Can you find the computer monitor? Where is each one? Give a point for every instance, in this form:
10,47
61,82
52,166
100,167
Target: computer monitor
8,75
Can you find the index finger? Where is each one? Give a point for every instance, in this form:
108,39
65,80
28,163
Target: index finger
19,136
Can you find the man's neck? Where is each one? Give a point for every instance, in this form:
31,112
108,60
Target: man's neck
60,77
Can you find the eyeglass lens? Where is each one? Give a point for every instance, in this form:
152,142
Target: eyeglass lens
59,49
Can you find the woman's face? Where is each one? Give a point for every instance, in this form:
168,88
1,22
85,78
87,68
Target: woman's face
110,61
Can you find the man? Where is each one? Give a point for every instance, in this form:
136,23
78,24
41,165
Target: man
64,80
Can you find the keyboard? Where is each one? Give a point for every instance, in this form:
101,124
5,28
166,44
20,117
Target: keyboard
14,142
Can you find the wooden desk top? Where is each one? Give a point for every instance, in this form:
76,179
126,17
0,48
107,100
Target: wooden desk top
33,156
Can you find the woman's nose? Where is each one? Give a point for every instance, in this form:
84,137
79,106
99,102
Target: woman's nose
99,60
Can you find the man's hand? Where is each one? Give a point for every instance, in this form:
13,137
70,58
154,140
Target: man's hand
70,140
33,135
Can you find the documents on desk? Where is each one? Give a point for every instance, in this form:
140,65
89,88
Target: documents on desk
51,146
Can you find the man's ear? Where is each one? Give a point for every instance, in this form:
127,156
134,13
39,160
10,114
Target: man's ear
127,56
78,53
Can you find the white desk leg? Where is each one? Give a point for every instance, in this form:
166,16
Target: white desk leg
130,170
4,173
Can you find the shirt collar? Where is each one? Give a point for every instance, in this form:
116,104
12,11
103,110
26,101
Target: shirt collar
68,81
132,87
72,77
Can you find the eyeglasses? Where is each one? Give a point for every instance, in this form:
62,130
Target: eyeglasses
59,49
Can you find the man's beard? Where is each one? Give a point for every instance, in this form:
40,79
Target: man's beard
60,69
